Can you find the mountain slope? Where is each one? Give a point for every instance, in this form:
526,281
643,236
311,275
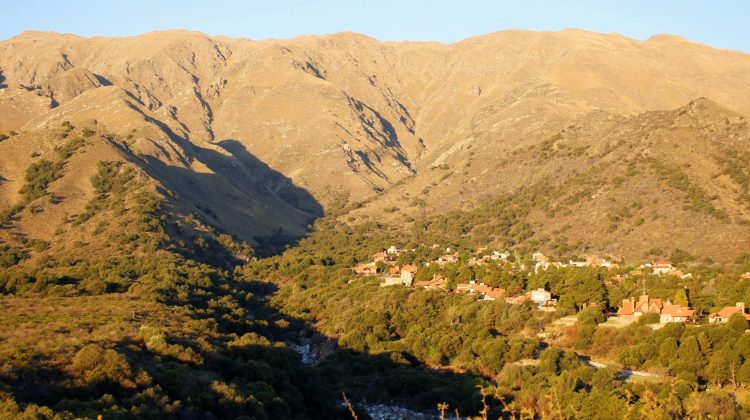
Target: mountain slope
632,187
256,138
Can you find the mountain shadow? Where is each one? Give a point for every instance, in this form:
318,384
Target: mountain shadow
235,351
233,192
273,181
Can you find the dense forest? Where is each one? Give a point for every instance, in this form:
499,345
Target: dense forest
702,368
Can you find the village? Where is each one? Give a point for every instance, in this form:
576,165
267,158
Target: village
385,265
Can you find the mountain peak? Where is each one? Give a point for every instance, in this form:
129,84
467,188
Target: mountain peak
32,34
667,38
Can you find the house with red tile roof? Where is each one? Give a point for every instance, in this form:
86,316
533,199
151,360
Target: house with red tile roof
438,282
494,294
675,313
447,259
400,276
367,269
662,267
477,261
383,257
668,312
515,300
482,288
408,272
725,313
631,308
473,287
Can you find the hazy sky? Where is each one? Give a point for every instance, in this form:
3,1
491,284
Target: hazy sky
723,24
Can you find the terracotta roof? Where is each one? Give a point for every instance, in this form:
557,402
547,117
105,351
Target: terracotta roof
517,299
365,268
496,293
631,306
481,288
678,311
663,263
410,268
728,311
437,281
448,258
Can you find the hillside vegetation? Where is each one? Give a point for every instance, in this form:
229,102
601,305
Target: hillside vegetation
256,138
180,215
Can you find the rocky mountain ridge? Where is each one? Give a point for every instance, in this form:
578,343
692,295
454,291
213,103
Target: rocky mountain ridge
258,137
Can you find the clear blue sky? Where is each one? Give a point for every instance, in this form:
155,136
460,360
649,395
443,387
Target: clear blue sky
722,24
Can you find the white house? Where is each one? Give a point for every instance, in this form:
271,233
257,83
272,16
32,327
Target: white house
662,267
540,296
579,264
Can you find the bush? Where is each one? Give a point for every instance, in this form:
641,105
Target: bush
156,342
10,256
737,323
591,315
96,366
585,336
38,177
649,318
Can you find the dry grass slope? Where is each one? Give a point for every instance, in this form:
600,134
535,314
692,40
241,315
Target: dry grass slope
257,138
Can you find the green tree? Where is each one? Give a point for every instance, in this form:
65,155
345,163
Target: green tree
689,356
667,350
97,365
737,322
743,374
717,370
585,335
591,315
681,297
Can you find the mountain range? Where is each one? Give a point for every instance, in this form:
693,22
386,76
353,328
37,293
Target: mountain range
627,148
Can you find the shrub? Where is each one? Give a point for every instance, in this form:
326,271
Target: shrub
737,323
96,365
649,318
10,256
585,336
156,342
591,315
38,176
